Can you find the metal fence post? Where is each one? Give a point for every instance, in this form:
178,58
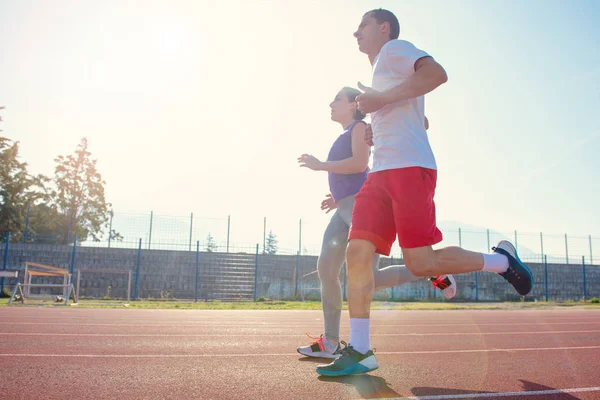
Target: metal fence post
255,272
228,230
191,226
542,244
150,232
567,248
297,270
459,237
68,239
137,271
73,255
584,283
516,241
197,269
546,276
5,260
591,257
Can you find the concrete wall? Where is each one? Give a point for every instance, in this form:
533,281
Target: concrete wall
230,276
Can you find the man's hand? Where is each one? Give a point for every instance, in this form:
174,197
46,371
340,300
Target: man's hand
328,204
369,135
309,161
371,100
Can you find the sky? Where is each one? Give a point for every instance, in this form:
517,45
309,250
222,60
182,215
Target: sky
203,107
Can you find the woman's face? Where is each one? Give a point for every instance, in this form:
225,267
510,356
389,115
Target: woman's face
342,109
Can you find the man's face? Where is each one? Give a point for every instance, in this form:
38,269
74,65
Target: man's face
368,35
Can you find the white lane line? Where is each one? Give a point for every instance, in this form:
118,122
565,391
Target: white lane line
289,354
499,394
285,335
287,325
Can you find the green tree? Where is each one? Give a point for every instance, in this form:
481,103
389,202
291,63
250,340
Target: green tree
46,225
78,193
211,244
272,243
17,189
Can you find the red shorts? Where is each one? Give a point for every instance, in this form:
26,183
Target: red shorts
396,202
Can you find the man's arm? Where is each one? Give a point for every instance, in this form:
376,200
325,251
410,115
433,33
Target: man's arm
427,77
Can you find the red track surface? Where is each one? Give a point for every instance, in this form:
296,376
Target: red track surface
167,354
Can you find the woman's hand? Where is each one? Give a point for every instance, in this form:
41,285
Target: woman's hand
328,204
311,162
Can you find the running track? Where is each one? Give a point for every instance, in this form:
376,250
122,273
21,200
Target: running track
66,353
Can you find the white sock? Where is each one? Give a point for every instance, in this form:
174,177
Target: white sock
360,334
495,262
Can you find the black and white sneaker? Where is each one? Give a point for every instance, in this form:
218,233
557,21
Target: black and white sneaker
517,274
446,283
320,348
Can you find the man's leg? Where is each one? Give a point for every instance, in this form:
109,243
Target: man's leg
424,261
391,276
372,230
361,264
412,191
356,357
361,288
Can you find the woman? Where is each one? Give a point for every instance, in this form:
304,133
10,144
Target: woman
347,169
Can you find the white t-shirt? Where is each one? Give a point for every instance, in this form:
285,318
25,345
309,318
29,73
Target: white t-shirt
399,135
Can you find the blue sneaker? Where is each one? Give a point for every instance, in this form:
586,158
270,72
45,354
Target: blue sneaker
517,274
350,362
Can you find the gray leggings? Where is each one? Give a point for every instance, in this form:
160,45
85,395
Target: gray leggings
331,260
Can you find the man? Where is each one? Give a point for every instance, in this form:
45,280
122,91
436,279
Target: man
397,197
